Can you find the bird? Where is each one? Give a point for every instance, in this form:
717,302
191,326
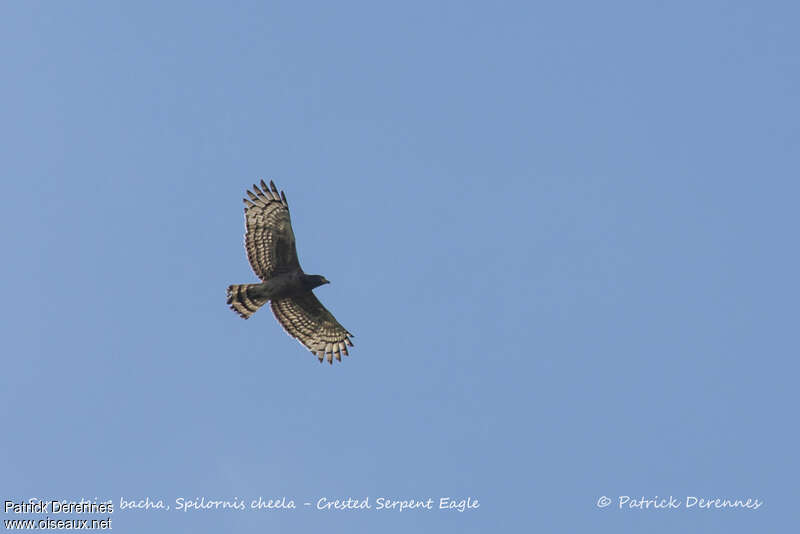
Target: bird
272,253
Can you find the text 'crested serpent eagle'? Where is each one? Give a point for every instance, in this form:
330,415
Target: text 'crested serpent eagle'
271,250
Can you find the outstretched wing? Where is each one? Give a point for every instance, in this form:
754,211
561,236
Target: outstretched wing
269,239
305,318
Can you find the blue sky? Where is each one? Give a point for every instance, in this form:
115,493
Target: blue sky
563,234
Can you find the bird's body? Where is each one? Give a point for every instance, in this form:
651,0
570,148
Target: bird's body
283,285
270,245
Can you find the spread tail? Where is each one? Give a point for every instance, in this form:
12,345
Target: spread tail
243,300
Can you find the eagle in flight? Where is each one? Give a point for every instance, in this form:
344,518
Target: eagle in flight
271,250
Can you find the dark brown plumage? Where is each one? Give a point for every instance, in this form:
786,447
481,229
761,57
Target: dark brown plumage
270,244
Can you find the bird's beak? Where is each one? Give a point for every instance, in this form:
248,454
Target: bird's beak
327,281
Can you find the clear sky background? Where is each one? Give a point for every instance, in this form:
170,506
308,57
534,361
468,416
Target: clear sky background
564,235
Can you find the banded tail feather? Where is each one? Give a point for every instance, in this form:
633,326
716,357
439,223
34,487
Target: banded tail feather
243,301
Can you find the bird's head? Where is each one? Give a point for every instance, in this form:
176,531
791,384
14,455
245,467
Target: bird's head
316,280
